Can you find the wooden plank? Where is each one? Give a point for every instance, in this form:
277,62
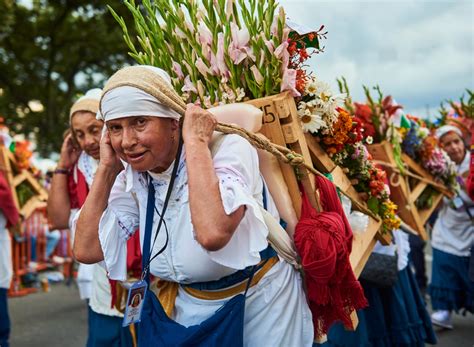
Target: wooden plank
417,190
362,245
17,180
321,159
420,171
40,191
31,206
425,214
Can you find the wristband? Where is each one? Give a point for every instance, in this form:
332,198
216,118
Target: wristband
61,171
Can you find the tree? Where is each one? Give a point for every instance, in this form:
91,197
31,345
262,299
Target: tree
50,53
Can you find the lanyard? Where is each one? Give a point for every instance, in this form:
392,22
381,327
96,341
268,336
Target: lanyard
150,211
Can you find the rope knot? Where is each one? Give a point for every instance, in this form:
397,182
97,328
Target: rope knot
294,159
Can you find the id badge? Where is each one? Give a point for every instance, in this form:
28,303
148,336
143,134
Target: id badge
135,301
457,202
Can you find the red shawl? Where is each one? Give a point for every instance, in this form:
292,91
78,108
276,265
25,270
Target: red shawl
324,242
7,205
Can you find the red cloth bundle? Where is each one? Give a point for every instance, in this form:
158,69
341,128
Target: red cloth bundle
324,243
7,205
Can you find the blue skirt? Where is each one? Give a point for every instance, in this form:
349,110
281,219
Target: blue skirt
396,316
450,288
107,331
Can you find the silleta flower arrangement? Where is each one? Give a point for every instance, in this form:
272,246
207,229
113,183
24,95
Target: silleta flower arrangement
341,134
419,144
369,181
216,51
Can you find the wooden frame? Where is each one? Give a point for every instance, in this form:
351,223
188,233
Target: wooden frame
17,177
281,126
405,190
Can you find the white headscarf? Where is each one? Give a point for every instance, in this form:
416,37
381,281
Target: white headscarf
446,129
126,101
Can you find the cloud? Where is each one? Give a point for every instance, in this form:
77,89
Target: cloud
421,52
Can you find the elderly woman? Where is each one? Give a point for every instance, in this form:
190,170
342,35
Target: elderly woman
78,163
212,238
453,235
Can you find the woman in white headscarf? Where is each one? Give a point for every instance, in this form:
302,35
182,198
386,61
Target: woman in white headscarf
78,163
213,232
453,236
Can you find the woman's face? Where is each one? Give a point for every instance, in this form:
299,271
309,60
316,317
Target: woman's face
146,143
454,146
87,131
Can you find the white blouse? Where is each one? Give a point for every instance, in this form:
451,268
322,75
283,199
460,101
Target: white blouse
184,259
277,303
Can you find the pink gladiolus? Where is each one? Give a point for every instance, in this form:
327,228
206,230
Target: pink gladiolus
237,55
214,68
188,86
281,52
281,49
190,26
270,45
274,27
286,33
228,8
205,35
224,71
178,32
177,70
206,51
257,75
202,68
240,37
289,82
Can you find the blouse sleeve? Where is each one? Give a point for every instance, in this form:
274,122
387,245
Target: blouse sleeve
117,224
236,166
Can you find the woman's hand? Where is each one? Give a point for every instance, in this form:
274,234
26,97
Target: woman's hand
198,125
69,153
109,160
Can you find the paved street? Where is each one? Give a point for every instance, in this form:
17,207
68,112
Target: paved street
54,319
58,319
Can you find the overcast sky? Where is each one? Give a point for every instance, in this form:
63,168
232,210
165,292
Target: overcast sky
420,52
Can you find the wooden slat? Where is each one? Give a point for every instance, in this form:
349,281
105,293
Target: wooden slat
362,246
321,159
417,190
399,189
17,180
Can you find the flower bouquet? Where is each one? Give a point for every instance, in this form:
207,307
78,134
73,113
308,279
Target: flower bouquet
217,51
420,145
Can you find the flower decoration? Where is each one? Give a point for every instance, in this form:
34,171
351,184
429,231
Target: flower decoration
218,51
370,181
22,152
318,108
421,146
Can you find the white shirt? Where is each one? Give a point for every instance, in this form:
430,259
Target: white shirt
6,268
276,312
453,231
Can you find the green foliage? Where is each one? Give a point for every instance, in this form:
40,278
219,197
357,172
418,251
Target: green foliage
52,52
